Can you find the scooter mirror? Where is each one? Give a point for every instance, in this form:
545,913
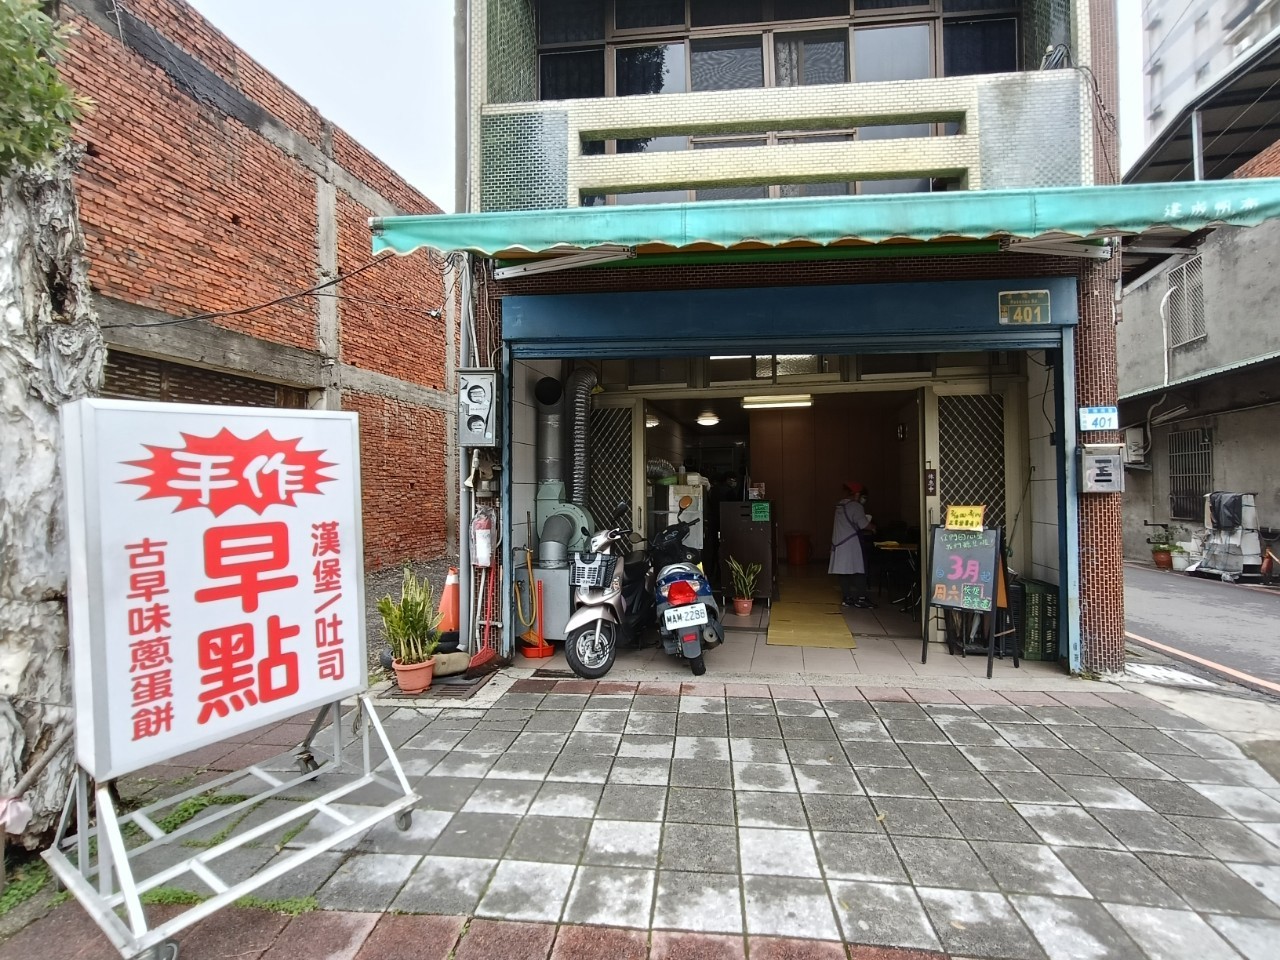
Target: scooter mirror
686,502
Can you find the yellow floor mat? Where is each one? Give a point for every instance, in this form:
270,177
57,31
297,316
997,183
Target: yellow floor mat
794,623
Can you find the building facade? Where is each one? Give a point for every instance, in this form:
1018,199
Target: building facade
1198,349
805,243
208,188
1186,46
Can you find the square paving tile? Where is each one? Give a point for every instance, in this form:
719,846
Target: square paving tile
1255,939
816,752
1029,868
1130,765
980,820
1091,739
624,801
484,835
1228,840
1098,791
758,750
485,741
640,770
1066,826
1058,762
915,731
706,903
623,843
763,727
841,813
699,848
765,809
897,710
701,773
824,779
932,862
892,782
613,896
700,805
580,769
1171,933
551,721
651,724
502,796
781,853
698,704
862,753
861,731
1149,742
517,765
591,745
702,748
971,732
1118,877
1211,887
511,940
578,943
799,708
445,885
978,924
703,725
807,728
1071,929
953,785
750,706
774,777
1142,830
886,914
937,758
1167,796
917,818
567,799
859,856
386,837
601,721
1243,803
465,765
1028,788
789,907
550,839
522,890
997,759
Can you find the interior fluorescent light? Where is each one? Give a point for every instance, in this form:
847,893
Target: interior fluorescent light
651,421
565,261
783,400
707,419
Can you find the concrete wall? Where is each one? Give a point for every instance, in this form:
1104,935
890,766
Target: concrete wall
1241,277
210,186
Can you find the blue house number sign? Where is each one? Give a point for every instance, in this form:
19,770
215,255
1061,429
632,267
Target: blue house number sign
1099,418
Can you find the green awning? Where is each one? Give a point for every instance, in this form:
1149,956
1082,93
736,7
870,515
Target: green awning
1066,213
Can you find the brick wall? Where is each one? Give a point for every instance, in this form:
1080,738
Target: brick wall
202,190
399,443
1265,164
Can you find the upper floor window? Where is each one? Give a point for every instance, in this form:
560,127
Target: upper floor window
1185,310
592,48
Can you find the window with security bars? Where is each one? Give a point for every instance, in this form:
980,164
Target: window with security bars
1186,303
1190,473
971,454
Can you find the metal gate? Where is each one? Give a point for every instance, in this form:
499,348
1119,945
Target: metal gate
131,377
610,461
971,453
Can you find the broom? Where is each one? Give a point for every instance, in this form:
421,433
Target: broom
486,659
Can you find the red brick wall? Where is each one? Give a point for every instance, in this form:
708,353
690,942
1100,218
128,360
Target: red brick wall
1265,164
402,463
187,210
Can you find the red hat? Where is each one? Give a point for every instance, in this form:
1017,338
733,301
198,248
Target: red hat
854,487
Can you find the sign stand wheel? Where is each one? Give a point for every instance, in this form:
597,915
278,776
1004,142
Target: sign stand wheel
161,951
404,820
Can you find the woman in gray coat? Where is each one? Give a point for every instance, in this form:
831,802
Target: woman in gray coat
847,560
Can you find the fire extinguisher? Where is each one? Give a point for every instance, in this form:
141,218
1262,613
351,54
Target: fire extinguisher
482,538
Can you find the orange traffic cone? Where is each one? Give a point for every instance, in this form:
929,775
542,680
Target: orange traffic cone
448,608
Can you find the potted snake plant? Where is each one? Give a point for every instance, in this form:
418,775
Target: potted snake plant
412,625
744,585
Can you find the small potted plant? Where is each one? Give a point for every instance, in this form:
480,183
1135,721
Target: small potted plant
1162,548
412,625
744,585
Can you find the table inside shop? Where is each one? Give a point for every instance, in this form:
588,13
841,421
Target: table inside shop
907,553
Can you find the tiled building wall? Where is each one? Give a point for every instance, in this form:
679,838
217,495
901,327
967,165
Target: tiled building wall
1019,130
207,186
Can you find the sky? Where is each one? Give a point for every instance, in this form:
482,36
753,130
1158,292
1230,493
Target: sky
383,71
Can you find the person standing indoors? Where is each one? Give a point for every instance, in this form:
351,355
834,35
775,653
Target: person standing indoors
847,559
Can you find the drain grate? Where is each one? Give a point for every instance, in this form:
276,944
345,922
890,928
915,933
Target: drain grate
446,688
551,673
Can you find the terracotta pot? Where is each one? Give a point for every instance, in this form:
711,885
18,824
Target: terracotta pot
742,607
414,677
1163,559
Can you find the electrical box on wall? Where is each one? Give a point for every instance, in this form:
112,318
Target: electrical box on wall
478,408
1135,445
1101,469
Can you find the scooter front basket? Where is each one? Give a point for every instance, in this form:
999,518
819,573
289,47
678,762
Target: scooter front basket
592,569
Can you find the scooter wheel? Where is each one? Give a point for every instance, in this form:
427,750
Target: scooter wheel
698,665
587,658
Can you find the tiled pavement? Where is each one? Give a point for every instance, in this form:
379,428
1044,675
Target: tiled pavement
572,819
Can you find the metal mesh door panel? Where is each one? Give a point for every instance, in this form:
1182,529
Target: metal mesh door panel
971,454
610,461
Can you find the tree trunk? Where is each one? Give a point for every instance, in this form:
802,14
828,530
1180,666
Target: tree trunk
51,352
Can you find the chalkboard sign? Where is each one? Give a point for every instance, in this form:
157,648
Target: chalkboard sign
964,570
